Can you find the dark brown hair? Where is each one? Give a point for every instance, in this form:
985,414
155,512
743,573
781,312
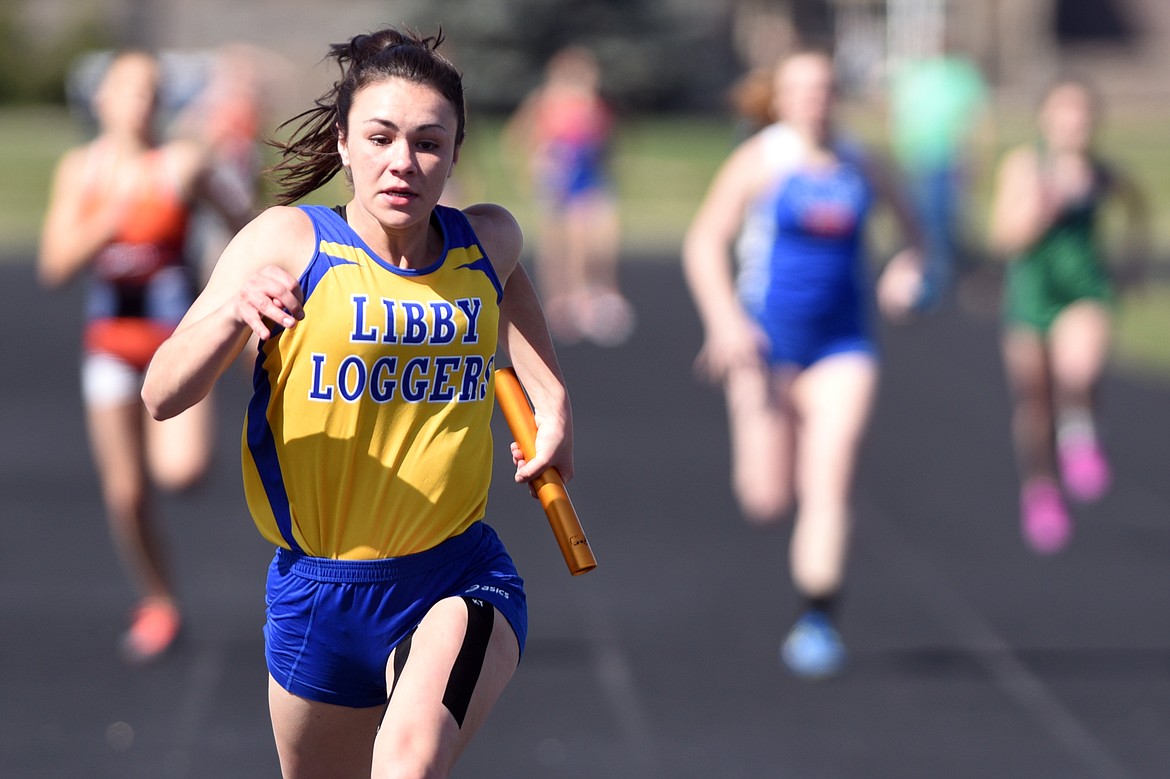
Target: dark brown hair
309,158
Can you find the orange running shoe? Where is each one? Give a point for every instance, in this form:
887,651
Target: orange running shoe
153,629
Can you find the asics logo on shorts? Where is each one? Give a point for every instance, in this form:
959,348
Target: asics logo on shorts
488,588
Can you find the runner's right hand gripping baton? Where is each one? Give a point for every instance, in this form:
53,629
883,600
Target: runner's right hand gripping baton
550,489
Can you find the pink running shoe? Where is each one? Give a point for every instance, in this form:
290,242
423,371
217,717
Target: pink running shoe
1046,524
154,627
1084,469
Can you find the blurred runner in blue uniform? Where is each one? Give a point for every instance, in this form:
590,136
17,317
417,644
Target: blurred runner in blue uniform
566,129
790,339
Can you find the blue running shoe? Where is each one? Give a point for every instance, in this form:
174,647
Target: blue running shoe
813,648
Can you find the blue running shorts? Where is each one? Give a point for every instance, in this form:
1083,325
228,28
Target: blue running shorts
332,624
805,344
797,336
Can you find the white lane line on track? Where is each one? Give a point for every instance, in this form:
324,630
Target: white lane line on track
203,681
615,673
996,656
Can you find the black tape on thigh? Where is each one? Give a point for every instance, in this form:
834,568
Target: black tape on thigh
465,673
401,652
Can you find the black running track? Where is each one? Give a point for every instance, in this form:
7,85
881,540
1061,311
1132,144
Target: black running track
971,657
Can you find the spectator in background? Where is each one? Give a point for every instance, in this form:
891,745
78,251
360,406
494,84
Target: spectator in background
119,208
566,129
227,115
762,34
1057,305
935,104
790,338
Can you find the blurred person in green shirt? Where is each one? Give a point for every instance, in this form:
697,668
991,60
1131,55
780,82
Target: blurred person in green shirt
936,102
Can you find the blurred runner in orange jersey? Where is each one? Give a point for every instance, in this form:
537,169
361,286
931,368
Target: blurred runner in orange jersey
567,129
118,208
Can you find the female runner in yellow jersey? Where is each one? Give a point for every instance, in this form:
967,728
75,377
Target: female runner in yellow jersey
395,616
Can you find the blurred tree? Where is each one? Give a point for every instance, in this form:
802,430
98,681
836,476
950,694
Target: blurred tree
654,55
33,68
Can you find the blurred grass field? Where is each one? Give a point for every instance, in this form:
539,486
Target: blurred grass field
662,168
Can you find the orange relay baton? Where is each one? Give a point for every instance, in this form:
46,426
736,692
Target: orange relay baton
550,489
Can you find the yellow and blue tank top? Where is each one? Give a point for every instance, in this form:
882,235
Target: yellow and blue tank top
368,433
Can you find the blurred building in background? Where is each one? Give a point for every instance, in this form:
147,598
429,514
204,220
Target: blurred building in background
1018,44
657,54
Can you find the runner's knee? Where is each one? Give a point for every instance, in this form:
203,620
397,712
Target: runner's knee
762,501
125,499
180,474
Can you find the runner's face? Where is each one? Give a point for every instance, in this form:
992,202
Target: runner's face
804,91
1067,119
399,149
125,101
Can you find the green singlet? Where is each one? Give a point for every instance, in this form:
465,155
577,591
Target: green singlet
1061,268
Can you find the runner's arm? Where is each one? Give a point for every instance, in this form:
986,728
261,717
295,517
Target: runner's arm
252,289
525,340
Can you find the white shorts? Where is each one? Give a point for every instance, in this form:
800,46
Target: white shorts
109,381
